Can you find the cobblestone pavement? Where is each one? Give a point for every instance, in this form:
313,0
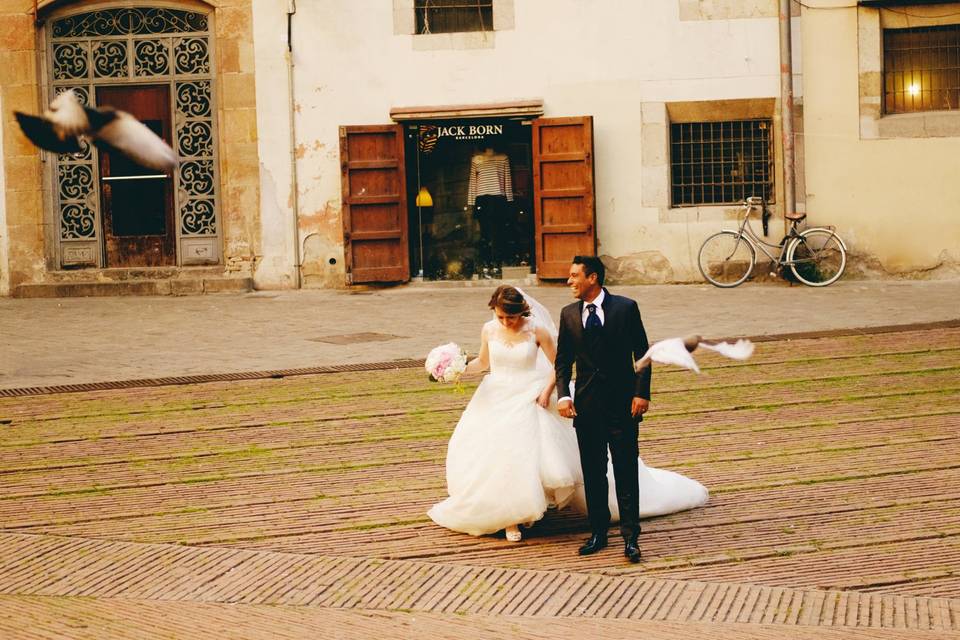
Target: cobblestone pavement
71,340
295,507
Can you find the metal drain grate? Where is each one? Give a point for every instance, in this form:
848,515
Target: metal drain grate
211,377
409,363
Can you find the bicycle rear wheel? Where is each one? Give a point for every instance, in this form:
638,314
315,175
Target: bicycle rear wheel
726,259
817,257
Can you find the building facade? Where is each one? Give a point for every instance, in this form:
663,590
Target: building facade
327,143
882,132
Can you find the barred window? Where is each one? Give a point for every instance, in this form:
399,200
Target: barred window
921,69
720,162
452,16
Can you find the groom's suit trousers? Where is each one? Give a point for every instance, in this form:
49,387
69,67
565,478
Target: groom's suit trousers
593,441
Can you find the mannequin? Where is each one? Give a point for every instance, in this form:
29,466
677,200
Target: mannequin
490,189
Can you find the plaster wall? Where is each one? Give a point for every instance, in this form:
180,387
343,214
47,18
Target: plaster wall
277,269
581,57
893,199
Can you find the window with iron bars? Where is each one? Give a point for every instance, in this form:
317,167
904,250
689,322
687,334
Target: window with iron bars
453,16
721,162
921,69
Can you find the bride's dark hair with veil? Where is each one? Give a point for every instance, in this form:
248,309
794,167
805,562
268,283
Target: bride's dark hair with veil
510,301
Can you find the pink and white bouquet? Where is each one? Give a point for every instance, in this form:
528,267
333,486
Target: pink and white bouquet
446,363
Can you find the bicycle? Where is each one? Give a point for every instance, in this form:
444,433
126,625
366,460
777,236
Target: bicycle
816,256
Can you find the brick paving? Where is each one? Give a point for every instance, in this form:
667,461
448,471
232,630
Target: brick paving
295,507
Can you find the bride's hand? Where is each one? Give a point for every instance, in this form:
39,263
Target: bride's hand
544,398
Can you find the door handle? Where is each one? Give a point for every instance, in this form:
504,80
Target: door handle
159,176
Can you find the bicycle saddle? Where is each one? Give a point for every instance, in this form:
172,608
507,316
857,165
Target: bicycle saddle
795,216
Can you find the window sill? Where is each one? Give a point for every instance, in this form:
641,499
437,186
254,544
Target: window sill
454,41
925,124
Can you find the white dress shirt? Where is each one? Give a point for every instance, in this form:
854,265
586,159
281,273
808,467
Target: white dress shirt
597,301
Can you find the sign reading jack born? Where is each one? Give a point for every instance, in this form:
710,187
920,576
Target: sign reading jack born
475,131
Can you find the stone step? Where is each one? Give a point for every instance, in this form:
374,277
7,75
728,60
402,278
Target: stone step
144,287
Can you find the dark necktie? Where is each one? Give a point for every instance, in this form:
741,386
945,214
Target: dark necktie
593,320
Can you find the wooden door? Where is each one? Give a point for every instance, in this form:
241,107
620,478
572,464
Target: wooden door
564,208
136,202
373,185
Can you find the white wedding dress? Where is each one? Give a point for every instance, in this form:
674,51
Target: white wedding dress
509,459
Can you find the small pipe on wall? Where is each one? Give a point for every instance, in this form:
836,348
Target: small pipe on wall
295,187
786,109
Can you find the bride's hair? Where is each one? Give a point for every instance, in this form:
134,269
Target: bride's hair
510,301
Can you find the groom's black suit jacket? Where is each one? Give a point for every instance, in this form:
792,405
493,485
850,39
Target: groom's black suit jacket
606,382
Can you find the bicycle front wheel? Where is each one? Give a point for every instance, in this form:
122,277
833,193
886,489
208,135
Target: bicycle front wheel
726,259
817,257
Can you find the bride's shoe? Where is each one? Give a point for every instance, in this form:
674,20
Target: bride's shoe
513,533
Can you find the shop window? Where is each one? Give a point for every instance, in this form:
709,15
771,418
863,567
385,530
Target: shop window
720,162
470,198
453,16
921,69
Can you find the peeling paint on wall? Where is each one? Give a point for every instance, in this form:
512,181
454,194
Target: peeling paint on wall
325,221
645,267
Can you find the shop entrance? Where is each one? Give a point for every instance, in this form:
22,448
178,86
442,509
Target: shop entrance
470,205
472,199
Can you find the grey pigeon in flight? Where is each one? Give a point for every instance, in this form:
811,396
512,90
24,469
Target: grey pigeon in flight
61,127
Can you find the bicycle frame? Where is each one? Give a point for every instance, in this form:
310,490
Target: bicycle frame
745,230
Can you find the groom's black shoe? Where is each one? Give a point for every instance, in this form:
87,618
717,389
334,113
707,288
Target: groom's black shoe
596,542
632,550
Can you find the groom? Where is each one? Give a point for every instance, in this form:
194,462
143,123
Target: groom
603,334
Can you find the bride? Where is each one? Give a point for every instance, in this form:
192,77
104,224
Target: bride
511,455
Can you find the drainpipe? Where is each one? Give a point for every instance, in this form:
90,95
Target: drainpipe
294,185
786,109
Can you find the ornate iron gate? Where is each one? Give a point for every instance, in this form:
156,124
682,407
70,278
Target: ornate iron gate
139,45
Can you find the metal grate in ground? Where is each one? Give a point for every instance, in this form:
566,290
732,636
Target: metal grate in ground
207,377
408,363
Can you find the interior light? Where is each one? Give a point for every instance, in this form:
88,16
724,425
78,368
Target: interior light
913,89
424,199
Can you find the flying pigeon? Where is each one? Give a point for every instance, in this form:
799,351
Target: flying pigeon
677,351
61,127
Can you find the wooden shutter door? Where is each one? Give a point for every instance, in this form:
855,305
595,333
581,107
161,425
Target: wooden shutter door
564,209
374,204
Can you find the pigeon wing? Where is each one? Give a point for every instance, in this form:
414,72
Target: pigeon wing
42,133
672,351
135,140
739,350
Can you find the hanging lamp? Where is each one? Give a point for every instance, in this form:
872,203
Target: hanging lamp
424,199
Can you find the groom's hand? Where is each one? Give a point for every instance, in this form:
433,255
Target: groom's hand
565,408
639,406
